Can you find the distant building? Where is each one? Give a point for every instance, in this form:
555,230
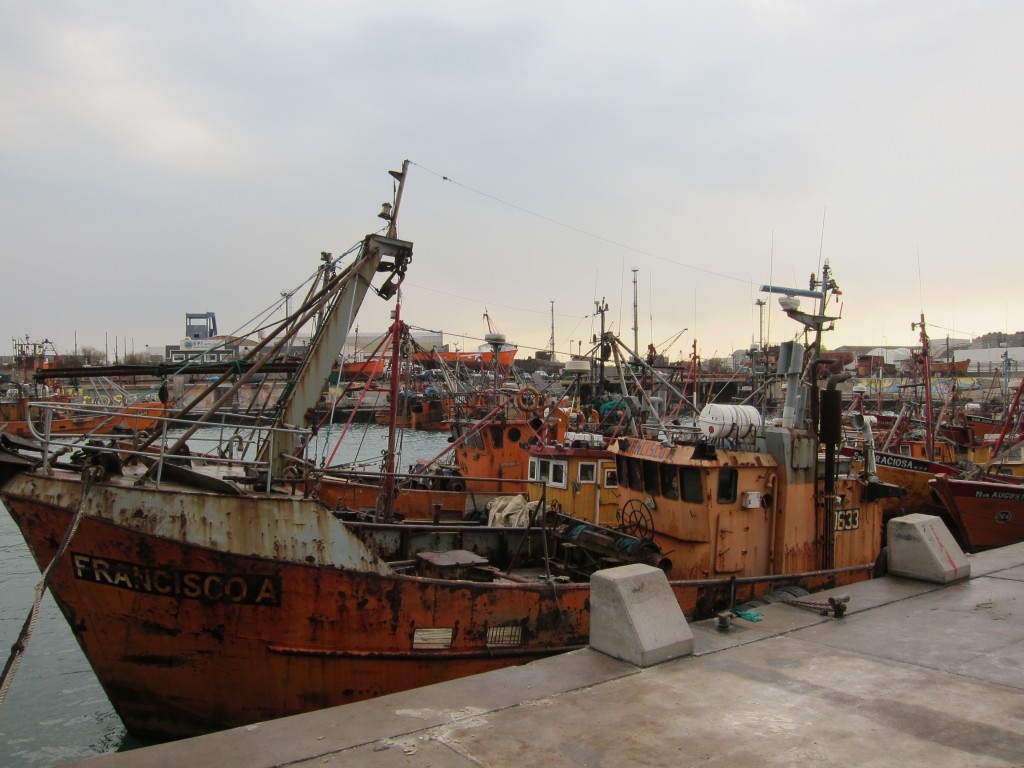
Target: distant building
201,343
200,325
998,340
988,360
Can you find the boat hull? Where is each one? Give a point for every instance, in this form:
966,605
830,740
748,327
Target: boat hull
483,360
186,638
125,420
911,473
364,369
986,514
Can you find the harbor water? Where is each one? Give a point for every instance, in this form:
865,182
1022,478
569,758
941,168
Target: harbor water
55,711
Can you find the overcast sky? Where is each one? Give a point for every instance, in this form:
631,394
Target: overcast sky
164,158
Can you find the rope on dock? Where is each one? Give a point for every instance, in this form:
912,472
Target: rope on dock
89,475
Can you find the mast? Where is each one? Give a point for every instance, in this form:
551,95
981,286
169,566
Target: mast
385,501
636,329
819,290
694,364
551,341
929,436
496,339
603,350
346,292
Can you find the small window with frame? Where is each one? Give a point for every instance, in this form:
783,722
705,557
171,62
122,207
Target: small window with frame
558,474
693,490
670,481
728,481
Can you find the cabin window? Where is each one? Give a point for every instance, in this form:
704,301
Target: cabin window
692,490
636,474
621,462
587,472
498,436
905,450
728,480
558,474
514,434
611,478
551,472
651,477
474,441
669,481
533,470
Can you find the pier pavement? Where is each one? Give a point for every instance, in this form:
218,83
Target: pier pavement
915,674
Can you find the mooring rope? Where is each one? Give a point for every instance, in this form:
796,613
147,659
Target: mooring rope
89,475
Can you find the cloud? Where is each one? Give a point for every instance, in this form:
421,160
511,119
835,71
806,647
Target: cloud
215,150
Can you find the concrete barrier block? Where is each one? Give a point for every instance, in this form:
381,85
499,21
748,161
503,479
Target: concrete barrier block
634,616
921,547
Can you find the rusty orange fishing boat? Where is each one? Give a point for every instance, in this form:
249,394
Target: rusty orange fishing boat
363,369
182,574
987,508
729,501
485,458
29,417
986,512
494,350
214,588
481,359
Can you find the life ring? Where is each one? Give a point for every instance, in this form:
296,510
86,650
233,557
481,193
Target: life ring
528,399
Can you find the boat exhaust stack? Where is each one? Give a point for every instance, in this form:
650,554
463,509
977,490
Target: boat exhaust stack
791,360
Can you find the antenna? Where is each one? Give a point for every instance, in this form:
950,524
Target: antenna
821,243
551,341
636,334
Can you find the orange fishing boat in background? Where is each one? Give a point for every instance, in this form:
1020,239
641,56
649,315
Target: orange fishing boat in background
495,347
986,512
25,417
363,369
486,456
482,359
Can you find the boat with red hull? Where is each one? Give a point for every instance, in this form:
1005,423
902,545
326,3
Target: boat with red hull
480,360
987,513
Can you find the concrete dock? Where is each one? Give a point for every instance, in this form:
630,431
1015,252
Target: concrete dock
915,673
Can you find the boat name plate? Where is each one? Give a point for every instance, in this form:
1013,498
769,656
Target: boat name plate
243,589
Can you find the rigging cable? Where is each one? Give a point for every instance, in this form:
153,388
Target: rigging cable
89,475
